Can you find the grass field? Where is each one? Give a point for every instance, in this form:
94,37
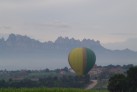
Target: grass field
47,90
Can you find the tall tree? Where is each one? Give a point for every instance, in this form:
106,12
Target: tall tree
117,83
132,79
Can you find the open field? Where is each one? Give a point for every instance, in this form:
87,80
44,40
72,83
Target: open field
47,90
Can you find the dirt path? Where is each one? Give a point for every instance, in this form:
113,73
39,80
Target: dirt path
92,84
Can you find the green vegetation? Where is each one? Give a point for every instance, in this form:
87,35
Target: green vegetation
50,82
48,90
63,78
122,83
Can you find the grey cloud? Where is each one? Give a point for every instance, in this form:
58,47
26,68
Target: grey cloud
5,27
54,26
124,34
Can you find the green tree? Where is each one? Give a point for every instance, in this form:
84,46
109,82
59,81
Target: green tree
3,83
132,79
120,83
117,83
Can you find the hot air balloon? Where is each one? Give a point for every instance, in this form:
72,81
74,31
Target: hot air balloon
81,60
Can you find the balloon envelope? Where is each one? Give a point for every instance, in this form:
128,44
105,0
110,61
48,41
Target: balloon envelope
81,60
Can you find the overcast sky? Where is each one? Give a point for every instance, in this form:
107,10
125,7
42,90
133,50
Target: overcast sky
106,20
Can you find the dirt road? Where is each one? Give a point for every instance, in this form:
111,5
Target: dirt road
92,84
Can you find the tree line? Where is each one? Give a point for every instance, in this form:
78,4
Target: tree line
64,81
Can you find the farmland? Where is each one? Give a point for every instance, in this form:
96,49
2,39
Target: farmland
47,90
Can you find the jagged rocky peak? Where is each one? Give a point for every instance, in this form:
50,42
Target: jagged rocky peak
61,39
20,38
66,39
12,37
90,41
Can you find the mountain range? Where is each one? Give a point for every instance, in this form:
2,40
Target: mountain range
22,52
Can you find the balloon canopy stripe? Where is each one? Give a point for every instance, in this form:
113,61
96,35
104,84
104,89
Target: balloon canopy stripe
84,60
90,58
73,58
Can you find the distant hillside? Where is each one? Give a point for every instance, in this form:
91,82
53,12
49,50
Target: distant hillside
130,43
22,52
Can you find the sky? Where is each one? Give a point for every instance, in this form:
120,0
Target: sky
109,21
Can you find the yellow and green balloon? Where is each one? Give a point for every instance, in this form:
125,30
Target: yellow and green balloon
81,60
